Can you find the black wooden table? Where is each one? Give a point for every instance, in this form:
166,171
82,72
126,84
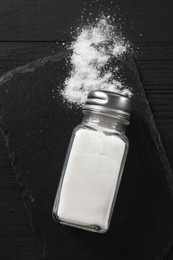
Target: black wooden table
30,30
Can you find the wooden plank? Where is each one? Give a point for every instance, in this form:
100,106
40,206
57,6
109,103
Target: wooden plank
37,20
153,51
44,20
156,72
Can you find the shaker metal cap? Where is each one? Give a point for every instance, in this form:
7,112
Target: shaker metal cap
109,103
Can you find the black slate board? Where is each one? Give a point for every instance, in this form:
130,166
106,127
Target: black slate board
37,125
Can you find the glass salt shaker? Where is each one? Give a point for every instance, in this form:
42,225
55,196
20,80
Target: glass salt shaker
94,163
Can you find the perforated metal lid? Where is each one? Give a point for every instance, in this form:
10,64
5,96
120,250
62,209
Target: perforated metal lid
109,103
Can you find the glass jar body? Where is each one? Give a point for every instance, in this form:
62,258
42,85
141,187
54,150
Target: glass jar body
91,173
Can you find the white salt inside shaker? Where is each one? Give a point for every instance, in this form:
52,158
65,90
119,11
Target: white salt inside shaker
94,163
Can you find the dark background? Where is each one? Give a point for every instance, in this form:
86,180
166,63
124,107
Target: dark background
30,30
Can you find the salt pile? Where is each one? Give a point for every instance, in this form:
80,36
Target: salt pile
93,51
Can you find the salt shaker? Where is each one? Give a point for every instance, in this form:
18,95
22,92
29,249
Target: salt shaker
94,163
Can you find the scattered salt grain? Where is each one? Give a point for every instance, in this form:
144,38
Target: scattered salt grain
93,50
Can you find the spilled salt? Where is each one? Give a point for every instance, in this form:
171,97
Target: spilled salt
94,51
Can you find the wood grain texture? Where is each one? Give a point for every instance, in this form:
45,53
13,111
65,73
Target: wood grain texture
49,20
30,30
